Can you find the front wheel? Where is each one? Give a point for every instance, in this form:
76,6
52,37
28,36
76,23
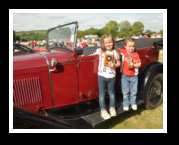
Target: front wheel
154,91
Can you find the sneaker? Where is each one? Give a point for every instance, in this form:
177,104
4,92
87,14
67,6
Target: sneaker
112,111
105,115
134,107
126,108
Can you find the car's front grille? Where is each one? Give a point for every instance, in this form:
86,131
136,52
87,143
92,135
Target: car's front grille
26,91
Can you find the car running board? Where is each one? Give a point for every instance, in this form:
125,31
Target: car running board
87,121
95,119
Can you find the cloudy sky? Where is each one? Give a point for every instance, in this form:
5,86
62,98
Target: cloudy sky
40,21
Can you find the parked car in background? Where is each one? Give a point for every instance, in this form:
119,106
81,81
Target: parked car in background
19,49
39,49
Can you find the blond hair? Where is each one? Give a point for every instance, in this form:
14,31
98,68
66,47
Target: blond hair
128,40
102,41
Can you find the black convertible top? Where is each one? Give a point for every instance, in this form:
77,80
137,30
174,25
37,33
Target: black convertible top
142,42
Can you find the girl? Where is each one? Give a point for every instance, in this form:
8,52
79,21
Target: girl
108,61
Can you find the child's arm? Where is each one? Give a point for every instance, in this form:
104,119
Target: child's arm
117,62
114,65
137,62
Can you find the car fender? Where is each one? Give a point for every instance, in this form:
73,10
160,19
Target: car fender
147,73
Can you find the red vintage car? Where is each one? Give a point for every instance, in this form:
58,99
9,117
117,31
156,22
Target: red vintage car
58,88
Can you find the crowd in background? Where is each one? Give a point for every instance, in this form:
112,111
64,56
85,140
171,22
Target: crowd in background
82,42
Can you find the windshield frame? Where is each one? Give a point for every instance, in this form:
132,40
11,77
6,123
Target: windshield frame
60,26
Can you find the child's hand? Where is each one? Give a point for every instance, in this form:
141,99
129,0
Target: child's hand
117,64
112,65
136,65
131,65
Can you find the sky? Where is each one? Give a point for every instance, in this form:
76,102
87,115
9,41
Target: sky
44,21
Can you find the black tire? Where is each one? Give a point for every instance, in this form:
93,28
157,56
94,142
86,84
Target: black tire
154,91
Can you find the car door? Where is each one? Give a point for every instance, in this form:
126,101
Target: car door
64,83
88,83
63,80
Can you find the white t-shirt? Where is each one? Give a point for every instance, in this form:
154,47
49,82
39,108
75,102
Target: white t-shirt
105,58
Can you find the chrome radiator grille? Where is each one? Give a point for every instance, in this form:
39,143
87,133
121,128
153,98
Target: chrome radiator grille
26,91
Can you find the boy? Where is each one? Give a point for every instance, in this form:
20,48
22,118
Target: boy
129,79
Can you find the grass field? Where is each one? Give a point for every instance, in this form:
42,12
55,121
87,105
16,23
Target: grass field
141,119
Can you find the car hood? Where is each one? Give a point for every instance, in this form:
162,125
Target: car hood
39,59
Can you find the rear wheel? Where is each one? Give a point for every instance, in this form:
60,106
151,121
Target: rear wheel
154,91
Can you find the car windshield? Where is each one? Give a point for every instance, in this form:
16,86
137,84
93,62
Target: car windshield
62,37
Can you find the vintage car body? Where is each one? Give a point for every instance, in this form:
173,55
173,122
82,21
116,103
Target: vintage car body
58,88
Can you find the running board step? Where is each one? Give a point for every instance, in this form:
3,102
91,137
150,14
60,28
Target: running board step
95,119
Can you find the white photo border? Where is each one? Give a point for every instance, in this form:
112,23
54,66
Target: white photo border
87,11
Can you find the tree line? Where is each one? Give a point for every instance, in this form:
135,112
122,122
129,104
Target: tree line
121,30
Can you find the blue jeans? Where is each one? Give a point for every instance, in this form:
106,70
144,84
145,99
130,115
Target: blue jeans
102,81
129,89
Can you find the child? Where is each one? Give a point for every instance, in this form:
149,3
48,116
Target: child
129,68
108,61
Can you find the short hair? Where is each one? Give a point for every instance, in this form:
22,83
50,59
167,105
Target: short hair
128,40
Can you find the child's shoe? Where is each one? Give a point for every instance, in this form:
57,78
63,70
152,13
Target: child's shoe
134,107
112,111
126,108
104,114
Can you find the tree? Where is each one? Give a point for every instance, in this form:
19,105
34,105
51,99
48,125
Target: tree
161,32
112,28
125,29
101,32
137,28
92,31
149,32
124,26
31,35
15,37
81,34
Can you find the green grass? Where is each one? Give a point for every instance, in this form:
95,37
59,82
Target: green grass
141,119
